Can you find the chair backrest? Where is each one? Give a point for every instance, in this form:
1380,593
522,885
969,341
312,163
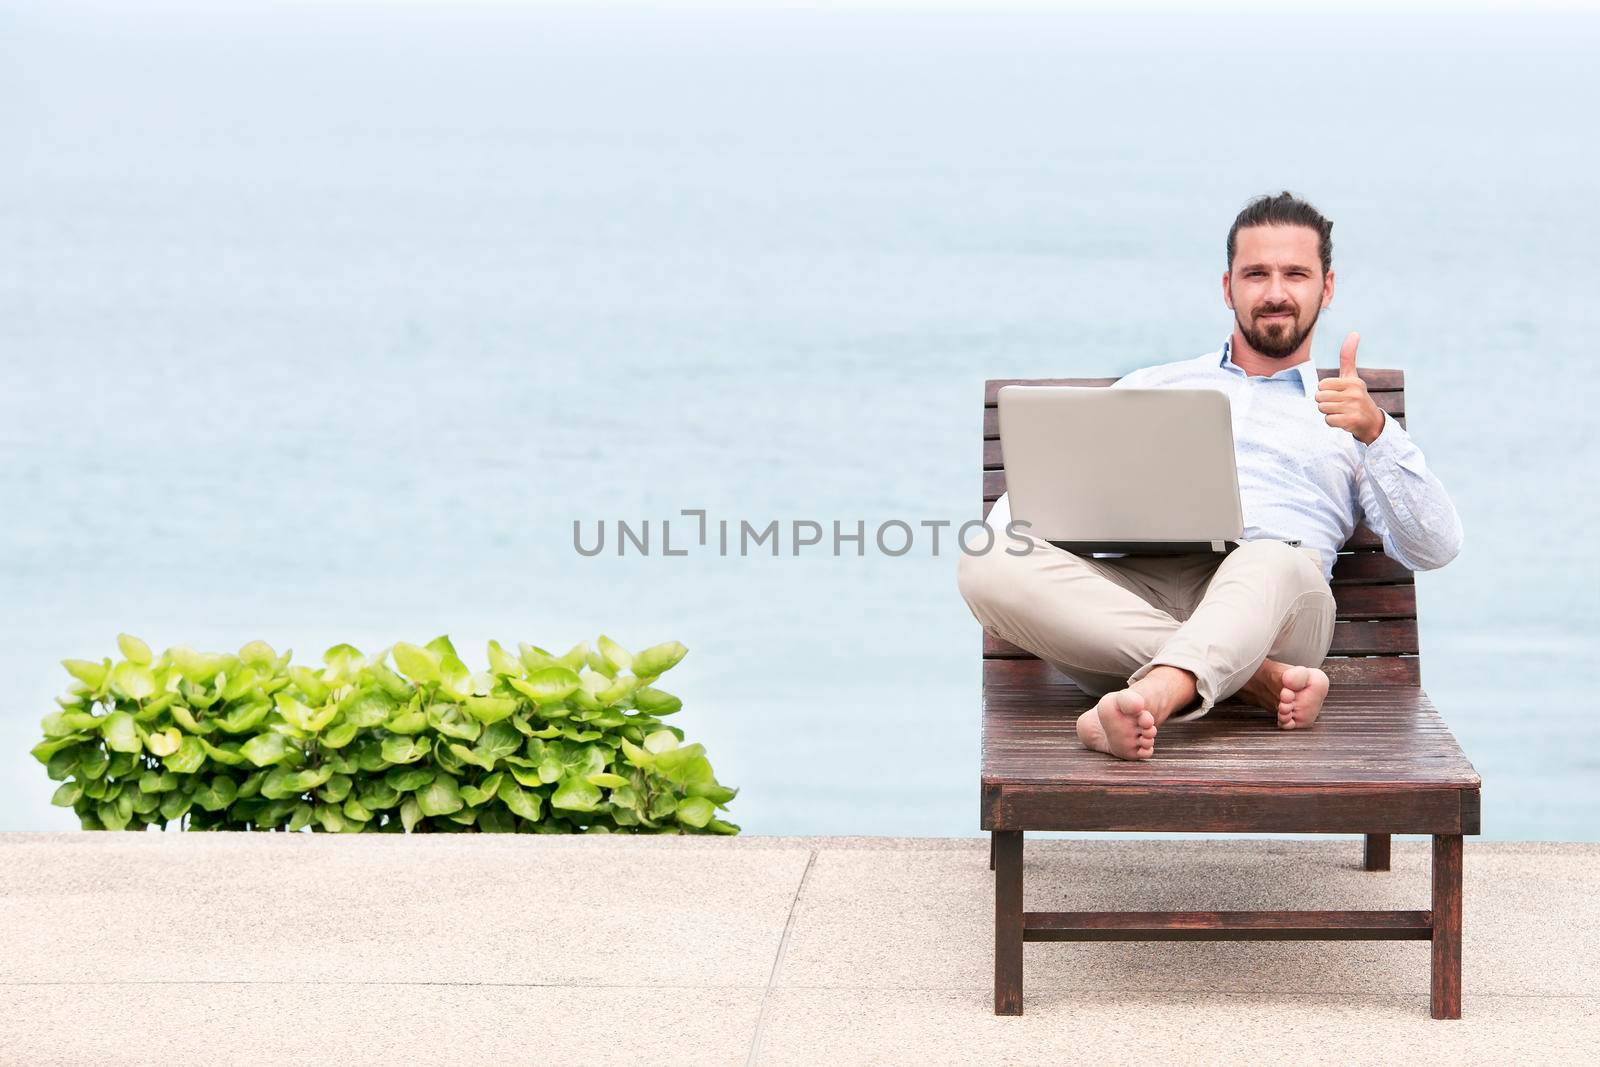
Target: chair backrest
1375,632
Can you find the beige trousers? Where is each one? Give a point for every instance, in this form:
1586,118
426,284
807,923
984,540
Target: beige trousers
1106,623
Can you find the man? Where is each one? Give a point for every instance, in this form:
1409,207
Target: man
1156,635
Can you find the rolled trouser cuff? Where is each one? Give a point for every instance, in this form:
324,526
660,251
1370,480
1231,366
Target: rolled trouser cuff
1205,683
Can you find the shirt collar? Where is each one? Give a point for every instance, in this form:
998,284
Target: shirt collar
1304,369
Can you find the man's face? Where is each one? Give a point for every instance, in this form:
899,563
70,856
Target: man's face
1276,287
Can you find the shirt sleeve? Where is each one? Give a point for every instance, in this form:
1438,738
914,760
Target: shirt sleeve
1404,503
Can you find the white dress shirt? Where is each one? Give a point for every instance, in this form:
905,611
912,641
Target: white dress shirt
1301,478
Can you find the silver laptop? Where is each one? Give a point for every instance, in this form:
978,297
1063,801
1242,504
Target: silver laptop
1138,471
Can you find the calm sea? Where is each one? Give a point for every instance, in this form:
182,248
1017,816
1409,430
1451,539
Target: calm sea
324,324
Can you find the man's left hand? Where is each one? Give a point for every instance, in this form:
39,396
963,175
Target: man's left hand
1344,400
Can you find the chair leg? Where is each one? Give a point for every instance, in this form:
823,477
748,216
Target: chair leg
1007,845
1445,997
991,849
1377,852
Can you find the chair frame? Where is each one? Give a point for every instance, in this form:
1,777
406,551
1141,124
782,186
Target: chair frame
1379,761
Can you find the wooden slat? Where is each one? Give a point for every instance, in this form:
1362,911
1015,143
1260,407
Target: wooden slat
1260,802
994,457
1227,925
1370,568
1382,637
1375,601
1378,379
1366,734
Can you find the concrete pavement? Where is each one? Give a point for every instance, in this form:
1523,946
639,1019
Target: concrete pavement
288,949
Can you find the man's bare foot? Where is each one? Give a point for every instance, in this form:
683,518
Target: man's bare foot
1294,694
1300,699
1119,726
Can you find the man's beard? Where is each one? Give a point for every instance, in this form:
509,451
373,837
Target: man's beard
1282,341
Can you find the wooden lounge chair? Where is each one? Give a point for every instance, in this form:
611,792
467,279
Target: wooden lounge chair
1378,761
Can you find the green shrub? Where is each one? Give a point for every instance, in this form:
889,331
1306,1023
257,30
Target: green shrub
537,743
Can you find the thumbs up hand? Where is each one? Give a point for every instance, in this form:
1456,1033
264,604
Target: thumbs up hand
1344,400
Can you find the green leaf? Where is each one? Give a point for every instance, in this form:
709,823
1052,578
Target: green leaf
164,742
239,683
575,794
576,656
660,741
615,654
190,757
338,735
259,654
407,720
600,665
157,782
404,749
121,733
151,710
115,814
175,806
610,781
303,718
658,659
410,813
491,709
617,690
336,789
418,664
477,794
355,811
389,681
196,667
229,756
67,794
187,720
64,763
466,754
63,723
548,685
378,795
306,680
440,797
266,749
502,662
133,649
452,721
529,776
343,660
498,741
497,821
331,818
533,657
88,672
653,701
217,794
405,779
133,681
717,794
695,811
45,749
368,707
520,801
92,764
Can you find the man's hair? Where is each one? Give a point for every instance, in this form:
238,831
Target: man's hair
1285,209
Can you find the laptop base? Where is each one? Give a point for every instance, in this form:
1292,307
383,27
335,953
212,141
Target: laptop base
1154,548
